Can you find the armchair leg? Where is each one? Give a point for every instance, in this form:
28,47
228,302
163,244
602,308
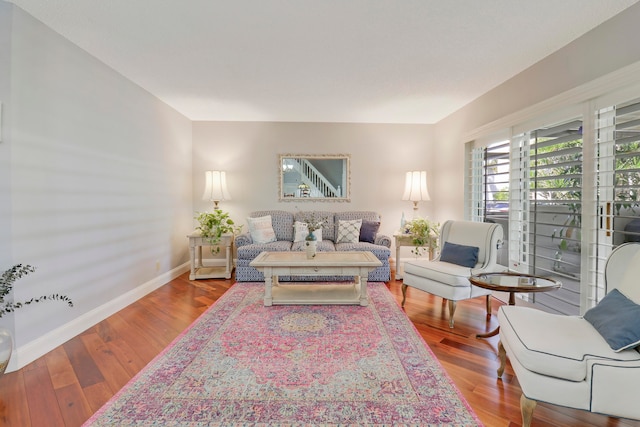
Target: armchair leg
452,310
526,407
488,305
502,354
404,294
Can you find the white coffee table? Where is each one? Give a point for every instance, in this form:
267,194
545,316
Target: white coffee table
275,264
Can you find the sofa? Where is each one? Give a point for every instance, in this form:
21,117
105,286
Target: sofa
282,223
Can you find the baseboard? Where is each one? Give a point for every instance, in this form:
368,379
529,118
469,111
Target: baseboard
31,351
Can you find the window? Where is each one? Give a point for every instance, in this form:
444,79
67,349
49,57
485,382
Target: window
618,187
532,185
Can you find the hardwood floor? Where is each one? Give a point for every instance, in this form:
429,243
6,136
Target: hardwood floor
67,385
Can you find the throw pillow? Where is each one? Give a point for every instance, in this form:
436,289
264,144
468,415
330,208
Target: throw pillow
466,256
349,231
301,232
261,229
368,231
617,319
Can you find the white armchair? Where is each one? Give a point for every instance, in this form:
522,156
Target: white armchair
447,276
565,360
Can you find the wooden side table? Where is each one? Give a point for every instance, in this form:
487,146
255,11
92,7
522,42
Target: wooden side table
199,271
403,239
512,283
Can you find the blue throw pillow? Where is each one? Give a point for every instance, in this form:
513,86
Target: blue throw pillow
466,256
617,319
368,231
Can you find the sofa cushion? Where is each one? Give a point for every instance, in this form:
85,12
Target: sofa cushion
349,231
351,215
253,250
381,252
617,319
322,246
444,272
261,229
466,256
301,232
326,217
565,353
368,231
281,221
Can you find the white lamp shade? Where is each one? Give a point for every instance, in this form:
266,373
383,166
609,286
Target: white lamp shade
415,186
215,188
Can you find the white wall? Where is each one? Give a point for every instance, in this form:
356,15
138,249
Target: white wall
5,148
100,184
381,154
607,48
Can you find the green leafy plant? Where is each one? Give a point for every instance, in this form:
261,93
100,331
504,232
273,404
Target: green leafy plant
424,234
8,279
213,225
313,224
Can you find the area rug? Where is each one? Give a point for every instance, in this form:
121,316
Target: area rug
243,364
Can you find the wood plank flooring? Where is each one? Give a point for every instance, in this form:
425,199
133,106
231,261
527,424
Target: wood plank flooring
66,386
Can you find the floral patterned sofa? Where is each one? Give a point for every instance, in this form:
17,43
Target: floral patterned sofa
283,227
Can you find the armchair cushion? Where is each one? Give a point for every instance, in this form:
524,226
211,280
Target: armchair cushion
447,273
617,319
466,256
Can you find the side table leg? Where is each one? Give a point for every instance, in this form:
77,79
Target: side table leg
228,263
398,274
192,258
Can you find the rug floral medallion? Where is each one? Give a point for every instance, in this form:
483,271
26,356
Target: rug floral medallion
244,364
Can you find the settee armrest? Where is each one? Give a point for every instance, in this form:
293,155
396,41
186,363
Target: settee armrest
383,240
614,388
243,240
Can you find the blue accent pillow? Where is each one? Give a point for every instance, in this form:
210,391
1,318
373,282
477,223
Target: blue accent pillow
368,231
617,319
466,256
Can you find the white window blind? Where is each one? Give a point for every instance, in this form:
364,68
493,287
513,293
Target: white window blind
618,187
556,212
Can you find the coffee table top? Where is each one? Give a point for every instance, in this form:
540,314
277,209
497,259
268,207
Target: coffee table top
515,282
327,259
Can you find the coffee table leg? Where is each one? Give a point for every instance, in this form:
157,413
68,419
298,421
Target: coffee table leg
364,298
268,284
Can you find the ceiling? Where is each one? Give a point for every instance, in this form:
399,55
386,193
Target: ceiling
371,61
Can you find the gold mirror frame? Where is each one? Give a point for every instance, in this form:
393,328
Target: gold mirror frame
314,177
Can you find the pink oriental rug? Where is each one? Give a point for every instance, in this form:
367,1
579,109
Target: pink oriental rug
243,364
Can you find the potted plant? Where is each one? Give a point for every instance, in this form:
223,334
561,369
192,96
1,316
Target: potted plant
7,280
213,225
311,241
305,190
424,234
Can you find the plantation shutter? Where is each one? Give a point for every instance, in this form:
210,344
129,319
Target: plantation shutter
519,204
496,182
476,196
556,212
618,184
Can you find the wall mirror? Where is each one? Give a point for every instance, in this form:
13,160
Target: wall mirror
314,177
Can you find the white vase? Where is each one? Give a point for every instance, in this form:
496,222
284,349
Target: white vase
6,347
311,247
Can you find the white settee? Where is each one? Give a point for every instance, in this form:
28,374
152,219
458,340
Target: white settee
445,276
566,361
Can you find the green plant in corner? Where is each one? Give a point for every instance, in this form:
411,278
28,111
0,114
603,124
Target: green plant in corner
213,225
424,235
8,279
